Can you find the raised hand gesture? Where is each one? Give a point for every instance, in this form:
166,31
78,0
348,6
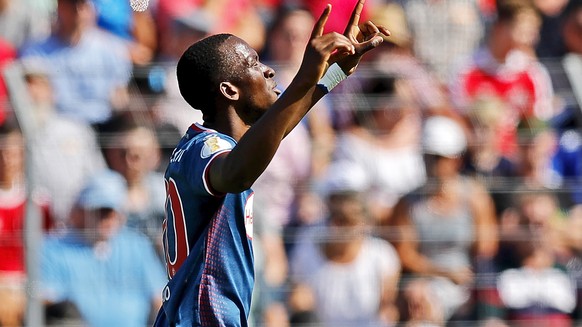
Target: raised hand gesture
364,37
321,48
346,50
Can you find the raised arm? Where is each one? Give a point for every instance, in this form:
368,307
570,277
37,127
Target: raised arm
238,170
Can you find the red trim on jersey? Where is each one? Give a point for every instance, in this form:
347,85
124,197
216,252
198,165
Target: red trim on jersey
200,128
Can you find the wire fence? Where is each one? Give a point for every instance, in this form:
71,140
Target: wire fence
487,302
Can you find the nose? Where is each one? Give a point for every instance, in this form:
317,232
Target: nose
269,72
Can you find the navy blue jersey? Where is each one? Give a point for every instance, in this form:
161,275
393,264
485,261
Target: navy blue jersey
207,239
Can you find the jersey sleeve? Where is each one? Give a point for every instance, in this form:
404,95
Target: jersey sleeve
201,154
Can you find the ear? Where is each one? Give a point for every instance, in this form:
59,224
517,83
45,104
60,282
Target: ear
229,91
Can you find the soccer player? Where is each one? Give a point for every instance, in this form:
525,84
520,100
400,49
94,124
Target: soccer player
209,218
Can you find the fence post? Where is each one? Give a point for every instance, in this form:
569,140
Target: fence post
33,220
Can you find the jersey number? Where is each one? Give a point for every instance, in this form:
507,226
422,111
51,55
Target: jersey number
174,228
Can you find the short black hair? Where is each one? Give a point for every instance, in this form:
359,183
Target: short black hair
377,91
508,10
202,66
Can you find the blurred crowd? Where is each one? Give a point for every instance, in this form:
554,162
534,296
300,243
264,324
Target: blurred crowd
438,186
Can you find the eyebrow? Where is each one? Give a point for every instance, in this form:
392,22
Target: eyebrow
253,58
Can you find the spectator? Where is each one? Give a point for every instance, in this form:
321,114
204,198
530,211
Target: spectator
537,147
538,291
567,160
561,28
484,158
302,155
137,28
396,56
535,210
443,31
505,69
352,274
149,97
572,27
62,146
288,36
238,17
90,68
184,30
130,148
279,192
570,43
110,274
446,230
13,201
384,140
551,43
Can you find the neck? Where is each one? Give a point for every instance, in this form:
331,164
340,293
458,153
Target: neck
71,37
7,182
229,124
342,252
498,49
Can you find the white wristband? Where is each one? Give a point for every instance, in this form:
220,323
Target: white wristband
332,77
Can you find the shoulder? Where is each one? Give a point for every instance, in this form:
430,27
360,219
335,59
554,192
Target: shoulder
42,47
381,253
381,248
473,186
206,142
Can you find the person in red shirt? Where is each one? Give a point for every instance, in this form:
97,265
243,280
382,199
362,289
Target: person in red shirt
506,70
12,212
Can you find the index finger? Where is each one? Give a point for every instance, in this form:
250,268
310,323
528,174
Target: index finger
320,24
355,17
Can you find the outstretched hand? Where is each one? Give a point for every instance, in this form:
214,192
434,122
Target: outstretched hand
364,37
346,50
320,49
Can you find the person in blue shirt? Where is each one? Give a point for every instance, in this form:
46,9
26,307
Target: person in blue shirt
110,274
209,207
89,68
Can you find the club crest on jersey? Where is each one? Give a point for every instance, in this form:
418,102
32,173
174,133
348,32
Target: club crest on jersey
214,144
